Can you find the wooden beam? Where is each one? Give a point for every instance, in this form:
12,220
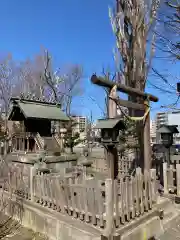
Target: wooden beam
128,104
122,88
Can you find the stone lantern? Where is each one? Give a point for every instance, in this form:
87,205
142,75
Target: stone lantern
63,131
110,130
166,132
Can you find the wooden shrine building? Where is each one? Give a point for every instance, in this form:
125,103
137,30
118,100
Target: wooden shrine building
36,115
36,118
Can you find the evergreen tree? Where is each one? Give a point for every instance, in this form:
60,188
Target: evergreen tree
72,139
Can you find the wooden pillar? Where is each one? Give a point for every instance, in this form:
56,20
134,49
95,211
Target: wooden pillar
23,143
147,141
27,144
112,165
112,160
62,141
16,143
112,155
35,146
112,109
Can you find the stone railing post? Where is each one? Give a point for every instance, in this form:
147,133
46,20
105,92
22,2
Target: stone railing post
153,184
178,179
165,180
32,174
109,205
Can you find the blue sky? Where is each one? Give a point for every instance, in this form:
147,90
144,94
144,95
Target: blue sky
74,31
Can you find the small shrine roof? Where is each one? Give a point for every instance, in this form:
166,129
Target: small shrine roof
38,110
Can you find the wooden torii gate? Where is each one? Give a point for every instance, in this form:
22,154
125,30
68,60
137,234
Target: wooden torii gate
113,101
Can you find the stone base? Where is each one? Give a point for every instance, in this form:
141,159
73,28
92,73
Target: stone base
51,223
63,227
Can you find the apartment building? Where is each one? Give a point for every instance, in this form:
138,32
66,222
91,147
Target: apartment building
81,124
168,118
153,131
174,119
161,119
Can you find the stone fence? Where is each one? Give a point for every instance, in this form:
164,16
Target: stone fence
89,201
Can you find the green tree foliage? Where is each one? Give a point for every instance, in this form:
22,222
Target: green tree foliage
128,138
72,139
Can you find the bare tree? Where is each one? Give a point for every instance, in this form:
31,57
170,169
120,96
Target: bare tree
40,80
7,82
20,78
172,23
8,87
169,29
62,86
168,47
132,24
30,77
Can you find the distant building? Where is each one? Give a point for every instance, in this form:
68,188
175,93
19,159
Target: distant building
96,132
153,131
174,119
168,118
81,124
161,119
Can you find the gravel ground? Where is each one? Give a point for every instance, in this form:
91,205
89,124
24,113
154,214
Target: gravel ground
173,231
24,234
17,232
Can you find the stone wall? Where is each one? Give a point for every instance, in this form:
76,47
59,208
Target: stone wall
59,168
46,221
57,226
